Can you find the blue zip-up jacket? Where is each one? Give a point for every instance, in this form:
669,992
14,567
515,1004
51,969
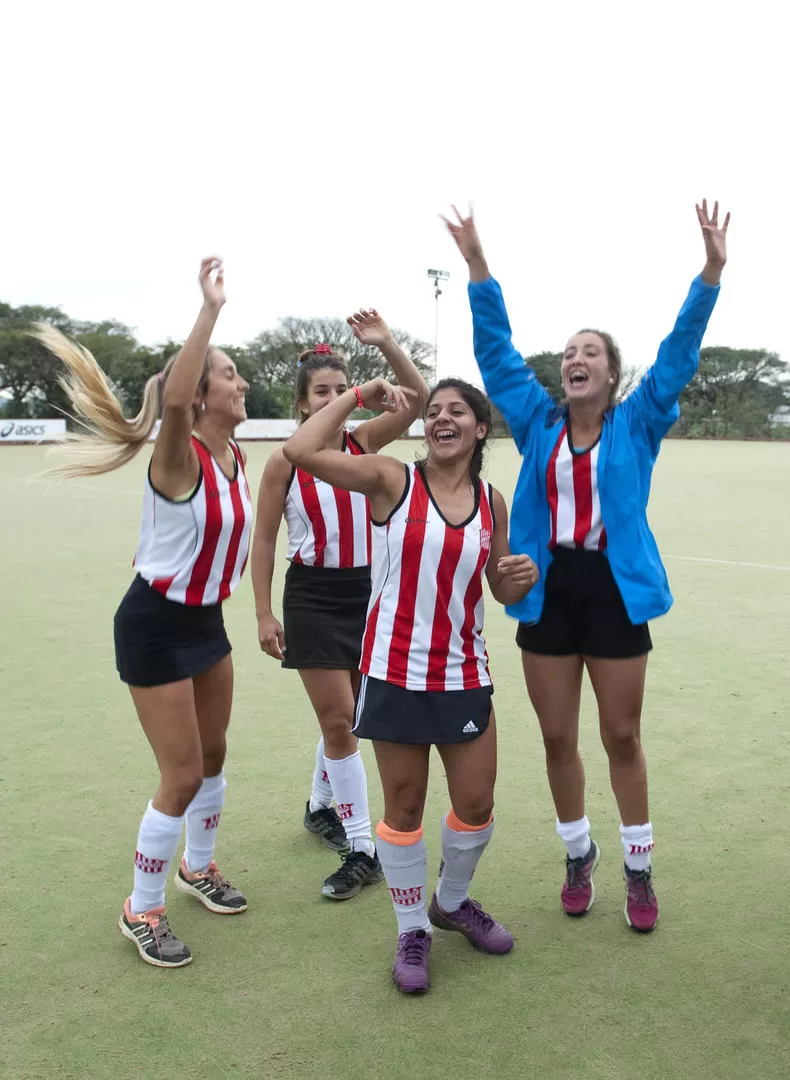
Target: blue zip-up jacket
630,441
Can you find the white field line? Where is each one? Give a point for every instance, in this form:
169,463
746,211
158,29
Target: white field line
729,562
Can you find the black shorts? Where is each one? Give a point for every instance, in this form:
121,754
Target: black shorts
388,713
158,641
324,612
583,612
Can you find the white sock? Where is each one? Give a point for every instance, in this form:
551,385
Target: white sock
406,870
461,851
203,815
321,795
350,786
576,836
157,842
637,845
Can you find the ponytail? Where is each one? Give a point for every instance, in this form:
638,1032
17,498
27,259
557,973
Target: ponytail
112,440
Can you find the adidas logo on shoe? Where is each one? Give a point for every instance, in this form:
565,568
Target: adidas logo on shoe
470,729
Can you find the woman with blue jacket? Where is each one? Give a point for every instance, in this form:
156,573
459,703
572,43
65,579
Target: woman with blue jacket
580,512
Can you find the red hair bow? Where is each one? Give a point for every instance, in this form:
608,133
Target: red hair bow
322,350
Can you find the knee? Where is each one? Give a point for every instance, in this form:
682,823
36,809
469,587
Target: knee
560,747
214,757
622,743
404,813
475,809
180,786
336,725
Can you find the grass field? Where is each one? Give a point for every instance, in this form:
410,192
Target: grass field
299,987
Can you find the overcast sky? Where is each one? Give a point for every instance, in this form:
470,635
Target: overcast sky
313,145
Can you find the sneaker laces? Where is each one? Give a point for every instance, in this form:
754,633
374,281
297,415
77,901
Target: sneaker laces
576,876
159,927
477,916
640,886
351,867
412,947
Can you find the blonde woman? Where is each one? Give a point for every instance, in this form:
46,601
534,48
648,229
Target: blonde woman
170,641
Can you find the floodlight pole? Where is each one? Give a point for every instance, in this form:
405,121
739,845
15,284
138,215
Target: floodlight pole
437,276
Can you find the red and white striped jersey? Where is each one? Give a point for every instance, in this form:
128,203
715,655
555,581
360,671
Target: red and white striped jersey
194,552
425,617
326,525
572,488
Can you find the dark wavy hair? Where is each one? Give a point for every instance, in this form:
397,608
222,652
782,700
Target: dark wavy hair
309,362
481,408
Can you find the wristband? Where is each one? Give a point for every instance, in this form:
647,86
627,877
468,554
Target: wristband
360,402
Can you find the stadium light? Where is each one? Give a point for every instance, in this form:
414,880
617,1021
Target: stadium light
437,276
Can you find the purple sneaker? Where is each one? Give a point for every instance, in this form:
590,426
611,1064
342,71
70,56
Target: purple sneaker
475,924
410,970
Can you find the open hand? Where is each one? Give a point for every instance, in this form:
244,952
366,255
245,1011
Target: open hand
714,235
212,281
369,327
382,396
464,232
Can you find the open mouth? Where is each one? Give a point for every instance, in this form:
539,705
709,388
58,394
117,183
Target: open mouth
445,435
578,378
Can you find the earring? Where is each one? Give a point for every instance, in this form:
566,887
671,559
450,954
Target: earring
203,404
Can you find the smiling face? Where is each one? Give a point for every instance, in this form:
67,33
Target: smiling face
452,430
224,391
325,386
585,369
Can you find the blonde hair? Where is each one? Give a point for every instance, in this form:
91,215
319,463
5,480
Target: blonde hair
111,440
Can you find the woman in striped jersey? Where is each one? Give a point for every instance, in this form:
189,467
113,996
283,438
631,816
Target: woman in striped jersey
436,529
580,511
170,642
327,587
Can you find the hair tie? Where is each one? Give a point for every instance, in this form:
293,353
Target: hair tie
322,349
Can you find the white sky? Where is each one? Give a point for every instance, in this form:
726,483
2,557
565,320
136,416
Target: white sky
313,145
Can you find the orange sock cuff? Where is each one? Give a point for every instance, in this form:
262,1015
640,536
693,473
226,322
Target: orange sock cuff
399,839
455,823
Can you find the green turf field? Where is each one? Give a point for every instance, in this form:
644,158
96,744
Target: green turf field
299,987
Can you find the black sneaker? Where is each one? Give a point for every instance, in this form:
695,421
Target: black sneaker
155,941
327,826
356,870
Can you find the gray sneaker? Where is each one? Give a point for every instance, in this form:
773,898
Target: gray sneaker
356,870
155,941
211,889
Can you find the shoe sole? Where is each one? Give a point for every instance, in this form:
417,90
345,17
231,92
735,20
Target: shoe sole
579,914
327,843
417,990
355,891
127,933
185,887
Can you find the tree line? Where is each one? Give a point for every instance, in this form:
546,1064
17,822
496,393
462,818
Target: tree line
737,393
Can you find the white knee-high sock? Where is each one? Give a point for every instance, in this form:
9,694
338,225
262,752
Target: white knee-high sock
322,793
347,777
637,845
203,815
405,864
157,842
576,836
461,851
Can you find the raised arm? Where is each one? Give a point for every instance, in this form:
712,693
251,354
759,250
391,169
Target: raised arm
378,477
174,465
511,385
370,329
271,501
655,400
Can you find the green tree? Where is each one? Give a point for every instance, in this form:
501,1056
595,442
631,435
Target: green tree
734,394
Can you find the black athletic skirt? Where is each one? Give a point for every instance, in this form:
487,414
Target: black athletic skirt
389,713
324,613
583,612
158,641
